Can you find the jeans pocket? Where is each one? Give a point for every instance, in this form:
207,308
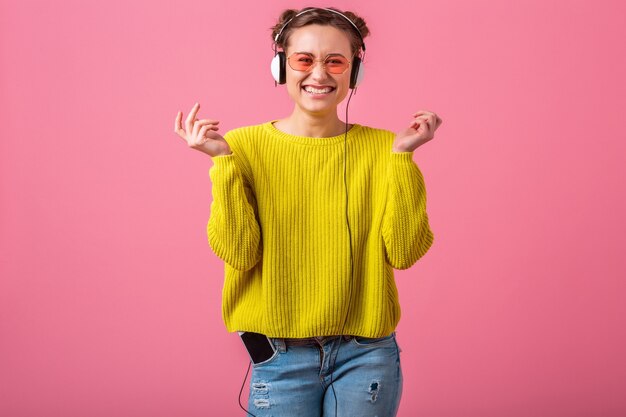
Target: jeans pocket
270,359
374,341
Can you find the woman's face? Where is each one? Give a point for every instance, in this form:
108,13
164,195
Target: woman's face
317,91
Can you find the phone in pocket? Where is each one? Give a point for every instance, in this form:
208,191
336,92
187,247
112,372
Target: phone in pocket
259,347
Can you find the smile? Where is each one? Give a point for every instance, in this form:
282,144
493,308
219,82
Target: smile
318,90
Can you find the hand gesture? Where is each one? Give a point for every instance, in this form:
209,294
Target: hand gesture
201,134
421,130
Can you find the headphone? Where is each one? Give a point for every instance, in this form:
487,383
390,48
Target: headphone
279,62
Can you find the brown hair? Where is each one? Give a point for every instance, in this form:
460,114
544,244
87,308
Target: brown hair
320,17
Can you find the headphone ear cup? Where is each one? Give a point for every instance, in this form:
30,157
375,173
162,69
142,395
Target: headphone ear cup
278,67
356,76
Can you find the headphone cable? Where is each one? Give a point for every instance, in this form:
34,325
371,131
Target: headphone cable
241,390
345,183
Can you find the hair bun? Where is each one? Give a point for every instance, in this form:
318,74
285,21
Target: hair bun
359,23
285,17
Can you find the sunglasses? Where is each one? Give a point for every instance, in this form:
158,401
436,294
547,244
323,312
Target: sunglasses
334,64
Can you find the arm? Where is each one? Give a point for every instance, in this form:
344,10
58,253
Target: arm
233,231
405,229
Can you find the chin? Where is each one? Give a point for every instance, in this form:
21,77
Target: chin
319,105
318,109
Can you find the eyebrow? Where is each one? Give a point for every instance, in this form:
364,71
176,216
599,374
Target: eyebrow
326,56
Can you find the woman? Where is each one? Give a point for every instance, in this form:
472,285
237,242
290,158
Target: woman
311,215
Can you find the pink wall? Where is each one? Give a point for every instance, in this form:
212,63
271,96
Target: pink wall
110,295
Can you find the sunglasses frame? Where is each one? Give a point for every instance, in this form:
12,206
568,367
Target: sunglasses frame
319,60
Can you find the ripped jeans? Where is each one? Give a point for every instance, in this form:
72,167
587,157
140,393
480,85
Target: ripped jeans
342,376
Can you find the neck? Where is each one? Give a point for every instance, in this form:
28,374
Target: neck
312,125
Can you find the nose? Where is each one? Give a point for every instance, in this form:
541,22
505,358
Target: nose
318,71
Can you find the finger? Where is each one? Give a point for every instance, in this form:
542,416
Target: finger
430,121
208,121
199,123
433,121
206,134
424,115
419,121
177,122
430,117
192,117
178,127
201,138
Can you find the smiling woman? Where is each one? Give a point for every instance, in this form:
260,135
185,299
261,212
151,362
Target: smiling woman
315,90
311,215
318,36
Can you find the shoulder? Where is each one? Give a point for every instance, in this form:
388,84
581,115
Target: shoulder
375,130
382,135
245,132
246,138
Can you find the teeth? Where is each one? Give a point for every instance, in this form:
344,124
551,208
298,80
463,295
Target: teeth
309,89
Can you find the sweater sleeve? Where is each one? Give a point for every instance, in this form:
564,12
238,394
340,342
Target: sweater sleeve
405,229
233,231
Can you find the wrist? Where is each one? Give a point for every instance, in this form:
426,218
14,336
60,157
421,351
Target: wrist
222,154
400,150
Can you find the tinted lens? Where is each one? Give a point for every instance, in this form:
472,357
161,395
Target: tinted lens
336,64
300,62
333,64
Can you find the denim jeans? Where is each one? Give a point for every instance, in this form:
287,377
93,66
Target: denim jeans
332,376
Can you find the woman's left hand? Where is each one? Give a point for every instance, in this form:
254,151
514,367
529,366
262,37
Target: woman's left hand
421,130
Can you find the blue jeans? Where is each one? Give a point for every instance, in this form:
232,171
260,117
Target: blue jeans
296,380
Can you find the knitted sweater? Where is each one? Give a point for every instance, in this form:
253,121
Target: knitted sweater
278,221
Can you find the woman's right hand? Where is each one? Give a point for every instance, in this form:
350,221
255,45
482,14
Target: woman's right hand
201,134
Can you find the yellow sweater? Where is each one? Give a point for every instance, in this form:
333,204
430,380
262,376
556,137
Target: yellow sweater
278,221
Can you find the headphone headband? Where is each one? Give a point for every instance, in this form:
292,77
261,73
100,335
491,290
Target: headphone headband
320,8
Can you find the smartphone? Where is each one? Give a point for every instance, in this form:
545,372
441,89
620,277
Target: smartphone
259,347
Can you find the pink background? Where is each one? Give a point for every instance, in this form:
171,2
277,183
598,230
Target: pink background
110,295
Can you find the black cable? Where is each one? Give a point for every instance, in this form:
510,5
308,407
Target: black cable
345,183
241,390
